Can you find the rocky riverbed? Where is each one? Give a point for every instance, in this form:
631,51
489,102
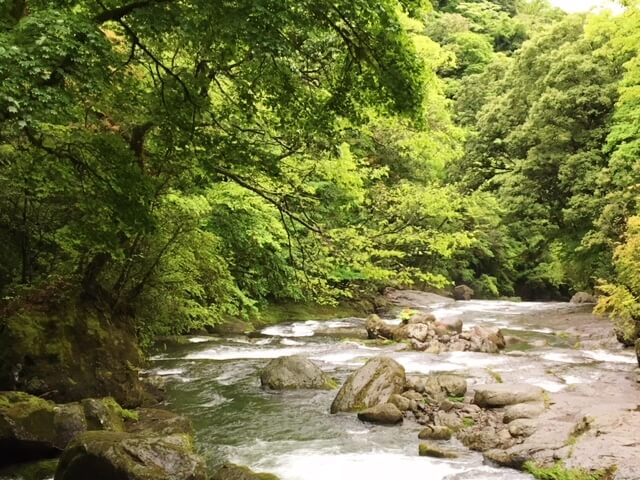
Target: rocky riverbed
562,389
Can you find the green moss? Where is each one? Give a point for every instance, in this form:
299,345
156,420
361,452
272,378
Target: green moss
559,472
20,402
125,413
456,399
428,450
331,384
468,422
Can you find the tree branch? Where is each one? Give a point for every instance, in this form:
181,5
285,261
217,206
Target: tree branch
120,12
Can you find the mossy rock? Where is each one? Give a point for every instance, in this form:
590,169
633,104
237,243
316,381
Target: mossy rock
126,456
430,450
40,470
27,428
32,428
370,385
293,373
230,471
70,351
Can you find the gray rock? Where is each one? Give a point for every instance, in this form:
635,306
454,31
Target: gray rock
462,292
451,385
582,298
504,394
435,432
448,419
294,372
383,414
522,427
505,458
413,395
126,456
418,331
416,382
403,403
480,439
482,335
370,385
522,410
435,451
230,471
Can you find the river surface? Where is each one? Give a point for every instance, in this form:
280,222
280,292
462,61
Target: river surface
215,382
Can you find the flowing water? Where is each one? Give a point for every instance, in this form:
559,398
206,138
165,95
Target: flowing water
214,381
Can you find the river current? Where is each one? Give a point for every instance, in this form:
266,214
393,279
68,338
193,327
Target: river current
215,382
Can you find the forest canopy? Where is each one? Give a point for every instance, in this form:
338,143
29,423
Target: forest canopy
183,162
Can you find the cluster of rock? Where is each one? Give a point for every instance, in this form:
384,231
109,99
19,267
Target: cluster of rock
97,438
497,417
505,419
425,333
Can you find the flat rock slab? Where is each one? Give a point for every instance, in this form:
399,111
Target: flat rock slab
505,394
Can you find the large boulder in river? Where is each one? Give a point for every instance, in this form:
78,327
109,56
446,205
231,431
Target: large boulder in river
32,428
462,292
229,471
583,298
383,414
370,385
294,372
126,456
504,394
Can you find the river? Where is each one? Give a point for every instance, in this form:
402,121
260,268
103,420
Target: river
215,382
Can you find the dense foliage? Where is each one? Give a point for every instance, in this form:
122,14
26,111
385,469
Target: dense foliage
181,162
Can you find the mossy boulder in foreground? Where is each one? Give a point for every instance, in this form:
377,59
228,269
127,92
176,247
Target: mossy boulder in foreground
33,428
129,456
